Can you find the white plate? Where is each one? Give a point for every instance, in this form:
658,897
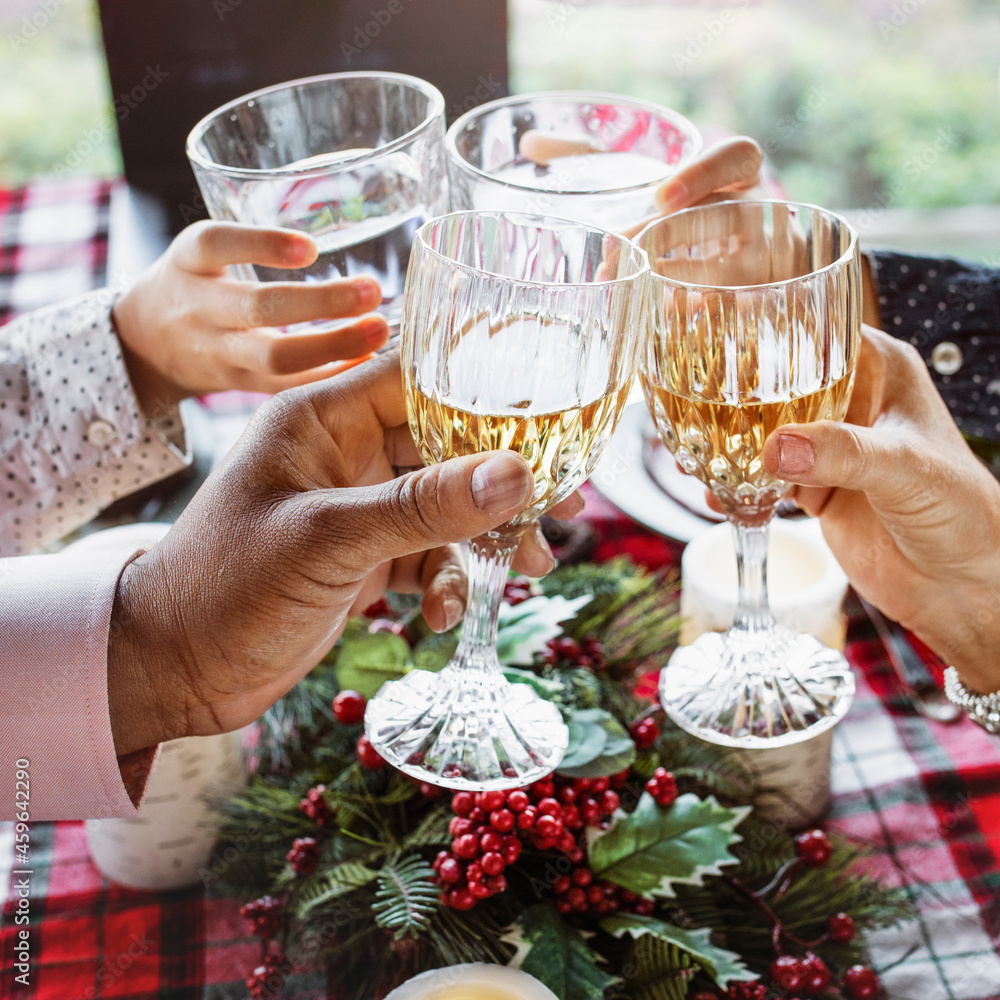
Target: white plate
621,477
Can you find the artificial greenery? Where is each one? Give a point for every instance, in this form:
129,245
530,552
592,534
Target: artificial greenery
370,911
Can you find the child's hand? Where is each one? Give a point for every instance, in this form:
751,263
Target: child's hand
188,328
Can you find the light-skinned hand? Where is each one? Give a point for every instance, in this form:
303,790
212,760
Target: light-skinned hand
303,524
187,327
909,511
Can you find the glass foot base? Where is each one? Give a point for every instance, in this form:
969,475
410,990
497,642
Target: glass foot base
467,729
764,689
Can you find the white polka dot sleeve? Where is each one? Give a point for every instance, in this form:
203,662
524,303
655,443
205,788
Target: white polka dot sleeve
72,436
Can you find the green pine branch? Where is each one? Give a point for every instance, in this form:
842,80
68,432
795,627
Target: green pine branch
406,897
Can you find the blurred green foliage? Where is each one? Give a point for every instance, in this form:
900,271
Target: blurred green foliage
857,102
55,106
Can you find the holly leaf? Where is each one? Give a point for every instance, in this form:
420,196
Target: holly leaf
369,660
434,651
722,965
559,957
525,628
599,745
648,849
545,687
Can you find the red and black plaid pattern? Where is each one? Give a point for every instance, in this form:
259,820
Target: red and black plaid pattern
925,797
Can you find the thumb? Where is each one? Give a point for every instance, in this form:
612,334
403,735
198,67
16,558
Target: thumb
877,463
448,502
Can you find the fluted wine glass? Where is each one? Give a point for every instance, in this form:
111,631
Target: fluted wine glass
755,322
519,332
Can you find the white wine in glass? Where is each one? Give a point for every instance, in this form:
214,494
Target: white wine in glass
519,333
755,323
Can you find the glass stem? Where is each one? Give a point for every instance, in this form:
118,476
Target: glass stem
489,565
753,613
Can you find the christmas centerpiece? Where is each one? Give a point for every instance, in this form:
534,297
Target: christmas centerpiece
637,870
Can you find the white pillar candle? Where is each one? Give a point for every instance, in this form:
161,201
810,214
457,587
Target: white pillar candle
474,981
806,586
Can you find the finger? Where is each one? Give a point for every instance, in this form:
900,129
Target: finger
712,502
448,502
445,585
244,305
542,147
273,353
533,556
258,382
812,499
885,466
569,508
731,165
210,247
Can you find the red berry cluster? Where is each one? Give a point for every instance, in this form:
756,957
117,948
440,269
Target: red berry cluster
267,979
304,855
807,975
517,591
315,806
483,845
644,732
580,892
349,707
264,915
560,808
814,847
663,787
861,983
747,991
564,651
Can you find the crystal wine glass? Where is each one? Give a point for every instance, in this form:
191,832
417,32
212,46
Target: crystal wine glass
755,322
617,151
353,159
519,332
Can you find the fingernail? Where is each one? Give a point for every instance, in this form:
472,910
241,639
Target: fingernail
453,610
795,453
376,333
544,551
369,293
672,196
502,483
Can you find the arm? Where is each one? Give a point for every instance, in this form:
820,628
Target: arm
73,435
54,632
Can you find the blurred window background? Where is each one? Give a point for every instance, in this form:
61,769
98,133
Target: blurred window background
887,108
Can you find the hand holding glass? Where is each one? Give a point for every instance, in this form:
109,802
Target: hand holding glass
518,333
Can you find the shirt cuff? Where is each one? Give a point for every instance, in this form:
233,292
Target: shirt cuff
947,309
54,629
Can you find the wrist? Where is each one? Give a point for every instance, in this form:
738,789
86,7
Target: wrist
139,676
154,391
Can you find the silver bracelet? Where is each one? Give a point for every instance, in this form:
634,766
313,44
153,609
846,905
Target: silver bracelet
982,708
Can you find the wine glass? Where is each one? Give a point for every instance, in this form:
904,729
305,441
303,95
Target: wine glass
617,152
353,159
755,322
519,332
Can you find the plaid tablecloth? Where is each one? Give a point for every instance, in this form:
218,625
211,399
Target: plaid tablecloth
925,796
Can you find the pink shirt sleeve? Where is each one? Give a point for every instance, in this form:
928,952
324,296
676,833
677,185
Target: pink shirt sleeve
55,615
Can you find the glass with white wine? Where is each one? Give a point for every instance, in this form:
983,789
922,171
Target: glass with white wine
755,323
519,332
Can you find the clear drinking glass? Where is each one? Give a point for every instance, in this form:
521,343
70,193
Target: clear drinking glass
353,159
636,147
755,322
518,332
